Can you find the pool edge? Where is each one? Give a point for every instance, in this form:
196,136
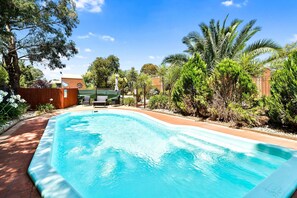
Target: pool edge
51,184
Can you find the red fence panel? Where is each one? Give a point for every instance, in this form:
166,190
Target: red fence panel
36,96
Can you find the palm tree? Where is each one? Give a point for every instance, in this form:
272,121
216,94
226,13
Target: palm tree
279,56
162,70
221,41
176,59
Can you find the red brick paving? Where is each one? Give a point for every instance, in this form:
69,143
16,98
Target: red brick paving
16,151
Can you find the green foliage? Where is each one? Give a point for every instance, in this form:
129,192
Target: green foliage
36,30
191,91
176,60
234,94
162,70
159,102
100,70
3,77
219,41
11,106
232,83
149,69
29,75
129,101
283,101
132,75
45,108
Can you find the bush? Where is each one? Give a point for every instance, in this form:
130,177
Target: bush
45,108
234,95
11,106
191,92
159,102
129,101
283,100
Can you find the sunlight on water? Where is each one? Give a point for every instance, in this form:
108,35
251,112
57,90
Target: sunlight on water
115,155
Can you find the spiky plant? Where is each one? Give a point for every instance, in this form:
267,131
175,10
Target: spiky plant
221,41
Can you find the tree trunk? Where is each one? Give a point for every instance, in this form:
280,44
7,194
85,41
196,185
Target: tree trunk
11,62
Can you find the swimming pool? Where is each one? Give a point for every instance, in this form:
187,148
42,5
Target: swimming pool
115,153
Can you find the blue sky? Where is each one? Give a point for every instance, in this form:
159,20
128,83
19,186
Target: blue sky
145,31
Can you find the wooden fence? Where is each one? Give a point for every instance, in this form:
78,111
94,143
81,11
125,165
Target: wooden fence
62,97
263,83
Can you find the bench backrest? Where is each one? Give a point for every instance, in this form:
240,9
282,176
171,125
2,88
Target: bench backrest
102,98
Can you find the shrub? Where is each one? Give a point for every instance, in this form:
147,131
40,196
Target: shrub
11,106
45,108
159,102
129,101
234,94
191,92
283,101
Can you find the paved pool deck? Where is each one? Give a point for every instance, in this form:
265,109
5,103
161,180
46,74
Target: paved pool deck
18,144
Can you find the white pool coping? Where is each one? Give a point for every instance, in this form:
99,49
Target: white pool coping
281,183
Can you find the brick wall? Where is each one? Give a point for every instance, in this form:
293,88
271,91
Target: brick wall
156,83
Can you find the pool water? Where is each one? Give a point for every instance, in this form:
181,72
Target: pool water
109,154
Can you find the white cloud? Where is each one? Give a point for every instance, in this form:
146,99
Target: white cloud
155,57
83,37
294,39
107,38
89,5
102,37
88,50
228,3
232,3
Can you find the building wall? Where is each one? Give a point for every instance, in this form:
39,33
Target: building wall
156,83
73,82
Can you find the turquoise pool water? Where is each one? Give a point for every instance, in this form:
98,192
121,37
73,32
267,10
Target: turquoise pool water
109,154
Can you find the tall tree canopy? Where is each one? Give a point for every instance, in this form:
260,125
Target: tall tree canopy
219,41
101,69
36,31
149,69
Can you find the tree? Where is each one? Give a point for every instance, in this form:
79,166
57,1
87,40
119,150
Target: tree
162,70
220,41
29,75
113,63
37,31
176,59
122,82
171,77
233,94
101,69
132,76
278,57
144,82
191,92
283,102
149,69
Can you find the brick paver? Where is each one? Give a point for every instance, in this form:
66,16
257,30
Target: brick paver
16,152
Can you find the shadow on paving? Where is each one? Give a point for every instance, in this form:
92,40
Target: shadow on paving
16,152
